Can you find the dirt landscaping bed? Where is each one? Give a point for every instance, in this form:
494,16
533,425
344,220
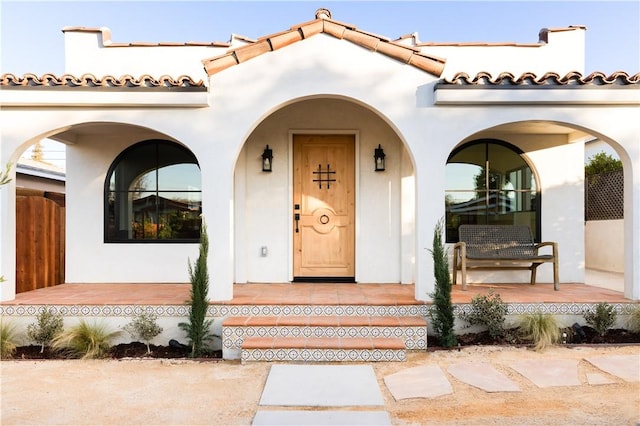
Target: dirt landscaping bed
139,350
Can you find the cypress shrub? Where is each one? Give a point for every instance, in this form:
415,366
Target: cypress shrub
441,313
197,328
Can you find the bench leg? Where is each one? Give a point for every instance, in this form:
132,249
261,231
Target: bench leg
556,276
533,268
463,273
455,269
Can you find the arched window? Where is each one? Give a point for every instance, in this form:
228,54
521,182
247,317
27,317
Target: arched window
489,182
153,193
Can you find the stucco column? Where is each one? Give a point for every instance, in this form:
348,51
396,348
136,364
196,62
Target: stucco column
632,221
429,210
217,211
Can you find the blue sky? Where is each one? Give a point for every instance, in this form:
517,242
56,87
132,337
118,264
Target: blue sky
32,41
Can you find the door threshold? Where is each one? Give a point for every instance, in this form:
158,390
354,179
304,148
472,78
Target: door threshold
327,280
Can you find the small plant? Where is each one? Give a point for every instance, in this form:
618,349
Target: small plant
441,313
47,326
144,327
634,320
4,176
86,341
541,328
602,318
489,311
197,328
7,339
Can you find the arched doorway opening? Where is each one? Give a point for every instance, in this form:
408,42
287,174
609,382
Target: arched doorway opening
383,202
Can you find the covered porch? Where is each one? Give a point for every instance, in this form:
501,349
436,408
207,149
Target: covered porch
308,322
600,287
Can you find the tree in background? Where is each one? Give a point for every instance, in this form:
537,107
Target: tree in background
601,163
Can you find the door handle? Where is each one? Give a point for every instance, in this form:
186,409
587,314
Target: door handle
296,217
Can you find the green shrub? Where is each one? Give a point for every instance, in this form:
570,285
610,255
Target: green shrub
602,318
144,327
47,326
634,320
7,339
601,163
197,328
441,313
85,341
488,311
542,329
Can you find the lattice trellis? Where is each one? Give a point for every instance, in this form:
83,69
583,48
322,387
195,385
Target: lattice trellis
604,199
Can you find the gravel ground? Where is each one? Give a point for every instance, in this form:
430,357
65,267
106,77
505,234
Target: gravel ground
183,392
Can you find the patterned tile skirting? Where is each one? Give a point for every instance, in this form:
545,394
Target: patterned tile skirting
219,311
324,355
414,338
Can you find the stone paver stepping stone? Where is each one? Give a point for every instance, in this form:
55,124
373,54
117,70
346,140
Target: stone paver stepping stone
321,386
425,381
483,376
546,373
627,367
598,379
347,418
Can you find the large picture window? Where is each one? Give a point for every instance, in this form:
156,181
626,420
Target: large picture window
489,182
153,193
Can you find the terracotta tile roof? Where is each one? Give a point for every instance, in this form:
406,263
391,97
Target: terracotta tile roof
323,24
106,39
618,78
91,81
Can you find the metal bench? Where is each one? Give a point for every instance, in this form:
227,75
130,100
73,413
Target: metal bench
500,247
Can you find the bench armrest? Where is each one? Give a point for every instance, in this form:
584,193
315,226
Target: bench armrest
460,248
554,247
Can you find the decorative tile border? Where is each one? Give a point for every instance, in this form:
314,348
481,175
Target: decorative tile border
552,308
316,310
413,337
219,311
324,355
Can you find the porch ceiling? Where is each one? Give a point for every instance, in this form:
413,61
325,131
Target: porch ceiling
533,128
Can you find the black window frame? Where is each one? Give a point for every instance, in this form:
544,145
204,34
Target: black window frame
157,143
537,232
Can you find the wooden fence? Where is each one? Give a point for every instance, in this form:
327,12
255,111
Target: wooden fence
40,233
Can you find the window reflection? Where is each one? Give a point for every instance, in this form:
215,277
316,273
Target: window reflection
154,194
488,182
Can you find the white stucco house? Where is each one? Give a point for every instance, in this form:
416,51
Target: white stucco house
272,142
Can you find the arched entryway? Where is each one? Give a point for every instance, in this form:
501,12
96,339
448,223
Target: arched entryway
303,137
547,164
85,250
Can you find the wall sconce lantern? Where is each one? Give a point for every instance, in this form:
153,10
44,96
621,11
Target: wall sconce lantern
267,159
378,156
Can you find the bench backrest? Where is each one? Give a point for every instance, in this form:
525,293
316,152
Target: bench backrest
497,241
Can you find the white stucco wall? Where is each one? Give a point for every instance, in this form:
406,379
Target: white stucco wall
604,245
563,53
88,258
85,52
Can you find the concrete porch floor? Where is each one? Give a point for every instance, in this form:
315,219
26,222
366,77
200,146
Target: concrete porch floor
602,287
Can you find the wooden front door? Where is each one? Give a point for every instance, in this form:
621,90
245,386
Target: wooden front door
324,204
